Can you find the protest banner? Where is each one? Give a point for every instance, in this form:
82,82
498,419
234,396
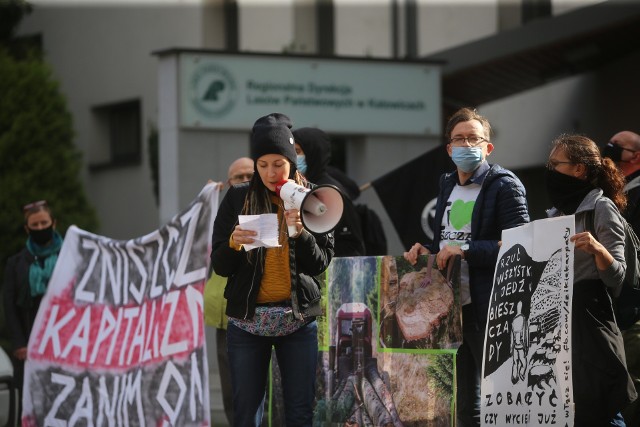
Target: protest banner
409,193
119,336
526,378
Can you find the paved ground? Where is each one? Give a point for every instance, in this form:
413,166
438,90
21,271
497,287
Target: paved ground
218,418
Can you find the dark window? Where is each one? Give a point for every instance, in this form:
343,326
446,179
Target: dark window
121,142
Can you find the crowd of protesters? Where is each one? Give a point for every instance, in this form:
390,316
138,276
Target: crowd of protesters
267,300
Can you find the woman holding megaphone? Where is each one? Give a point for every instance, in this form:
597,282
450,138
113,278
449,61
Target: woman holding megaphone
272,295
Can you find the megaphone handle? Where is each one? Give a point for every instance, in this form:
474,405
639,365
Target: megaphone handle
291,228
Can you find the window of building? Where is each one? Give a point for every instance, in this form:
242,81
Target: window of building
119,140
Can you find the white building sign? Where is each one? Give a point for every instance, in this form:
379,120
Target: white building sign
343,96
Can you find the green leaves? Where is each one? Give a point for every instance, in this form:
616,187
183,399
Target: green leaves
440,370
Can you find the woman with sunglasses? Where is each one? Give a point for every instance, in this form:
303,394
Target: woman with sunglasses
582,183
26,278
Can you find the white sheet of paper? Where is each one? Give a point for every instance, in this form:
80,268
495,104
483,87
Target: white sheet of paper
266,225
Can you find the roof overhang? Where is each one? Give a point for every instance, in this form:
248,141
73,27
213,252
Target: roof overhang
539,52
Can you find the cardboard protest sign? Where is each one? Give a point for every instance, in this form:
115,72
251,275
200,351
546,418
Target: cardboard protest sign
526,377
119,336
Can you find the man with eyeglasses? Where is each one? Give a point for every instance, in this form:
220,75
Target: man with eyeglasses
475,203
624,150
240,170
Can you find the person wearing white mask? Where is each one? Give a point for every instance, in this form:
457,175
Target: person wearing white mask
475,203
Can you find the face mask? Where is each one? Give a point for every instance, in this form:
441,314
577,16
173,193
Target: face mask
566,192
41,237
301,164
612,151
467,159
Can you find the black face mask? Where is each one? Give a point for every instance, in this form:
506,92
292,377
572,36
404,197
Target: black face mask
41,237
565,191
612,151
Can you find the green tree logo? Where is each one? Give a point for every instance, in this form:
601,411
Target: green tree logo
213,90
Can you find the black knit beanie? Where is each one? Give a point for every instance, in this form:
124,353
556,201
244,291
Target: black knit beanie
272,135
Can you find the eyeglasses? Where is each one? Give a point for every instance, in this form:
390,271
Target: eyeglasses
241,177
473,141
34,205
553,164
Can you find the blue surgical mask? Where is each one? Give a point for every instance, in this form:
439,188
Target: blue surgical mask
467,159
301,164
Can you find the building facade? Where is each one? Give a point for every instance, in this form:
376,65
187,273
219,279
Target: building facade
102,54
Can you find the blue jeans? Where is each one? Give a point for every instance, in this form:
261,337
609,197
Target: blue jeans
249,357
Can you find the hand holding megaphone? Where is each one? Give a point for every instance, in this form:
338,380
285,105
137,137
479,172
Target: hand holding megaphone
320,208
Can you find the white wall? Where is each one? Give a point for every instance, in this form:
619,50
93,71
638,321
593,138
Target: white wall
363,28
597,104
445,24
525,124
266,26
207,155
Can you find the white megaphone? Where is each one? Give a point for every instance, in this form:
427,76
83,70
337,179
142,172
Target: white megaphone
320,208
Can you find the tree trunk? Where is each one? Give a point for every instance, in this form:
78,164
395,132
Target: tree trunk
342,405
375,408
383,393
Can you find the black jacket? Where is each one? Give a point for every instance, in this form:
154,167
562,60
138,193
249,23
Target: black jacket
632,213
309,255
317,149
20,307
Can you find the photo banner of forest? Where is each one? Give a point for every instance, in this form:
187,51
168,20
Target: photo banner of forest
387,342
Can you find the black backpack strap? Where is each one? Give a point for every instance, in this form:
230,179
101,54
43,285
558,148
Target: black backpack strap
632,212
590,221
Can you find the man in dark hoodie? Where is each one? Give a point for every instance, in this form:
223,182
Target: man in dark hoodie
313,149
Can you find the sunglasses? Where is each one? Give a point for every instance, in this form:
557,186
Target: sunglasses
34,205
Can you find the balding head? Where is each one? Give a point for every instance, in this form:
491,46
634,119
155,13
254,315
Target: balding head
627,140
240,170
628,159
